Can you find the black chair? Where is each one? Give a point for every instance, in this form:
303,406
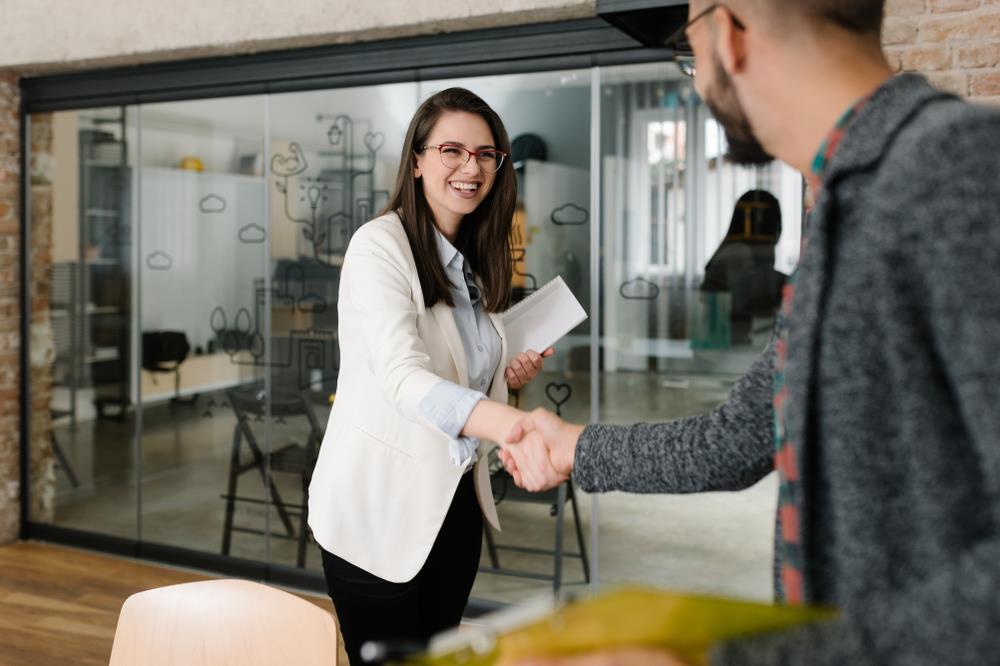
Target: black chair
504,489
61,459
249,403
165,351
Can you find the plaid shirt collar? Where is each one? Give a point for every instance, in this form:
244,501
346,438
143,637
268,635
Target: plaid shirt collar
814,178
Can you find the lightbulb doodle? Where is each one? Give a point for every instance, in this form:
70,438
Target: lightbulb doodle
331,201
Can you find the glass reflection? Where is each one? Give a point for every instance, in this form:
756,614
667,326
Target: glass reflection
547,117
333,161
83,455
695,252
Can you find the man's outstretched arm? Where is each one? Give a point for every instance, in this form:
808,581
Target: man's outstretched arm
730,448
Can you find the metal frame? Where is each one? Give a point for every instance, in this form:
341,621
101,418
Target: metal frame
24,275
574,44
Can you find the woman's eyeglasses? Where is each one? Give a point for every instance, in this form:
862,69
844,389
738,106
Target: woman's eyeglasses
453,157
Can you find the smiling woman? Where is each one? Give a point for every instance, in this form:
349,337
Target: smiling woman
401,487
441,189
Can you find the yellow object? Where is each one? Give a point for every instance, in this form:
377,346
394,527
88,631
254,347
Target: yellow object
191,163
634,617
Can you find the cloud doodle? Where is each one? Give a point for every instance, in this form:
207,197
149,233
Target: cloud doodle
159,261
252,233
569,215
639,289
212,203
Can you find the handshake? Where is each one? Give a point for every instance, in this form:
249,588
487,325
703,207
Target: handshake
539,450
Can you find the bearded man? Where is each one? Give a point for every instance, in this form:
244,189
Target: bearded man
878,399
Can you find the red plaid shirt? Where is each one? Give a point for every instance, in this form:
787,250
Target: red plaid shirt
791,556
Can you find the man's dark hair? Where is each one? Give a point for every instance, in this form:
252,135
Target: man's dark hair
859,16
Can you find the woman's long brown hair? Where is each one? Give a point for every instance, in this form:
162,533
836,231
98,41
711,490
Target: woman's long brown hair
484,235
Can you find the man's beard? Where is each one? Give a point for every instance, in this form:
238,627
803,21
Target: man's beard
744,148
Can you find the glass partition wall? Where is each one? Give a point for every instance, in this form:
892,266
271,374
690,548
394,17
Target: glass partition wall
694,252
192,253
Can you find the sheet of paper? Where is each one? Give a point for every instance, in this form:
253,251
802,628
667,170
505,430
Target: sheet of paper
542,318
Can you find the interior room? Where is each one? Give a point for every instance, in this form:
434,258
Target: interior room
196,248
180,182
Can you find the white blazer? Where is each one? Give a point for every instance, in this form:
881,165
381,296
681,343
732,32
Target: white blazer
384,481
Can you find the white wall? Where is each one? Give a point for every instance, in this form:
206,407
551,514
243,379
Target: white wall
38,35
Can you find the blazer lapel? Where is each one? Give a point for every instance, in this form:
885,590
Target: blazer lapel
446,320
498,379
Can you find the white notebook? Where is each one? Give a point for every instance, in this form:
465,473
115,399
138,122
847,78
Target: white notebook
541,319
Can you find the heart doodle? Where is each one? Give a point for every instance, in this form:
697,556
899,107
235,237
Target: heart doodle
374,140
558,393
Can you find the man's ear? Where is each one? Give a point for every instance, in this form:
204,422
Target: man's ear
730,42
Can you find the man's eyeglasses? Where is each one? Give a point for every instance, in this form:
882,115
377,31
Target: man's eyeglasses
678,42
453,157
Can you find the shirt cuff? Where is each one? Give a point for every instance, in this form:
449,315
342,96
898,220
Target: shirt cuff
448,406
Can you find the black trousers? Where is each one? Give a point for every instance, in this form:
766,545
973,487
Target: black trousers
370,608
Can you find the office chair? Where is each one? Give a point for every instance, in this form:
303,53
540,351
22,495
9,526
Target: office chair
292,458
504,489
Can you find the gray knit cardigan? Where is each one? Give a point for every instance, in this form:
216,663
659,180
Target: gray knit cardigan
893,371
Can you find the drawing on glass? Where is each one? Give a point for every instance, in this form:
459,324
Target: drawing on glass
559,394
639,289
306,351
332,200
252,233
212,203
159,261
569,214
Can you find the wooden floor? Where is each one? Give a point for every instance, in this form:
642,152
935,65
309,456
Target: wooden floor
60,605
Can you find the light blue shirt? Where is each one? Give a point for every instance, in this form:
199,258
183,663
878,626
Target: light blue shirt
448,405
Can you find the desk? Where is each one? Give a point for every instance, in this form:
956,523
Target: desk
199,374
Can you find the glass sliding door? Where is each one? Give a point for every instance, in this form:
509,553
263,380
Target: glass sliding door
83,459
333,158
547,118
694,254
190,257
202,326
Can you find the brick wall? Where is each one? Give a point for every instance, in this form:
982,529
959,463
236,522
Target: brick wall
955,43
9,308
42,472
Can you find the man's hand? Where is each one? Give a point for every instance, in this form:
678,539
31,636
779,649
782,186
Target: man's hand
539,450
620,657
529,463
524,367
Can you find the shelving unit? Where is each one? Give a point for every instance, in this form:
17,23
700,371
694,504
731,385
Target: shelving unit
103,303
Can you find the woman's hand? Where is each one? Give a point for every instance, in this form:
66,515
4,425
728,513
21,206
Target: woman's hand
524,367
